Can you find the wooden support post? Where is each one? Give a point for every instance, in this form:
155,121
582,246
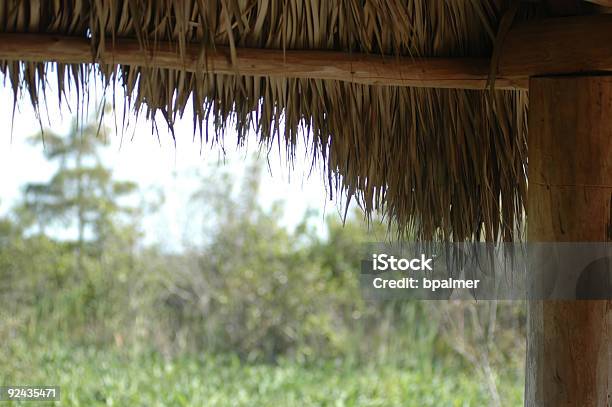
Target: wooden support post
570,193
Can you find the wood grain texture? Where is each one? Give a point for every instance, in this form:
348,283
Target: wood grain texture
570,158
569,198
557,46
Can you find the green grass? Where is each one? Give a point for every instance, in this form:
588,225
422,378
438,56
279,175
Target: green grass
95,377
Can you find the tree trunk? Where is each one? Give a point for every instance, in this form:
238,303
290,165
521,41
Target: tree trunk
570,193
80,203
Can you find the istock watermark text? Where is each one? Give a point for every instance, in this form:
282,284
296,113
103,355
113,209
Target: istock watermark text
385,262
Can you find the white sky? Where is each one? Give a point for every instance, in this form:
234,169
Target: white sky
154,163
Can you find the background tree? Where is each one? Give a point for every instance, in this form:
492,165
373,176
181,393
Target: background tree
81,194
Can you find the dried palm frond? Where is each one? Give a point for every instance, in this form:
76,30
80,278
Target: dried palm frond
440,163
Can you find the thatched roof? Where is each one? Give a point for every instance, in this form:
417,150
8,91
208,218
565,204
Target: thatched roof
442,163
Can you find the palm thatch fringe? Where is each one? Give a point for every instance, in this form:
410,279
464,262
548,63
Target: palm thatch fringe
440,163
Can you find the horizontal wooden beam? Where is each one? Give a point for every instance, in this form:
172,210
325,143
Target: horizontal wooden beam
470,73
557,46
560,46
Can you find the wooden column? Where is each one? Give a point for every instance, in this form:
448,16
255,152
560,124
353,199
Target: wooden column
570,193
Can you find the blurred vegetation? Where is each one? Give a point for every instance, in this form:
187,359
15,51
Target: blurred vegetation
255,314
91,376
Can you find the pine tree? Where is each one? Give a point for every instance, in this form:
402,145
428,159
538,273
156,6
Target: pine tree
81,195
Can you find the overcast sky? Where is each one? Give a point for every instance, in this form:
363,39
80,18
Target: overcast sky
154,163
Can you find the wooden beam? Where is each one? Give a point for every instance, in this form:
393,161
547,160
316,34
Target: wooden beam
568,45
468,73
558,46
569,200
